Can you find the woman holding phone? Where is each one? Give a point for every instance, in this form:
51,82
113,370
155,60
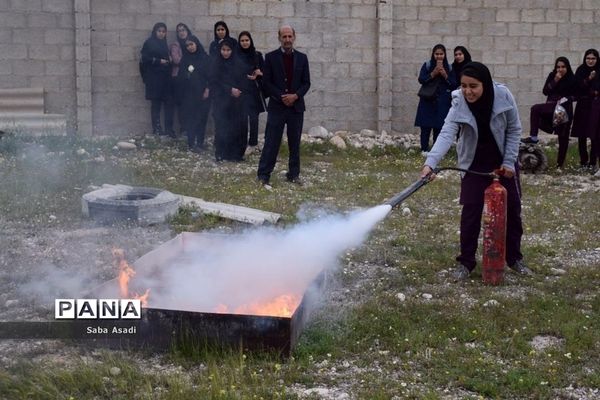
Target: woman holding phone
432,112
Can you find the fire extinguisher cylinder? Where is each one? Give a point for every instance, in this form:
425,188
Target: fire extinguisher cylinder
494,233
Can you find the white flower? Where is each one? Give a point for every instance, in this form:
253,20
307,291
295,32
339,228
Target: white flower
191,69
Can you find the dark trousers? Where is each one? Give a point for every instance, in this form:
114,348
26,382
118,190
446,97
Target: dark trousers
563,143
537,112
194,123
276,120
155,107
425,134
252,120
470,226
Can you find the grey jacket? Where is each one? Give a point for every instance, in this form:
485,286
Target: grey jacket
505,126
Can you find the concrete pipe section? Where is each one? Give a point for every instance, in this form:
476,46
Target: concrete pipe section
116,203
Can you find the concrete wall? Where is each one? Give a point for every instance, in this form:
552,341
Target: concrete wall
37,50
364,54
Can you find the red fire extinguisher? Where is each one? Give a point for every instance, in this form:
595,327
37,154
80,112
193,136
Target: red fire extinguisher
494,233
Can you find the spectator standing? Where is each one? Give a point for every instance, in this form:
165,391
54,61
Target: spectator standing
220,31
155,67
177,50
193,75
559,83
252,97
461,58
286,81
587,76
431,113
227,79
486,115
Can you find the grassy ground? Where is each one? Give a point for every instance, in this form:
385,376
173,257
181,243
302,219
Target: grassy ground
393,325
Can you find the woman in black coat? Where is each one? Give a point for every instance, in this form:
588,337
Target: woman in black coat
226,82
587,76
155,68
193,75
252,98
559,83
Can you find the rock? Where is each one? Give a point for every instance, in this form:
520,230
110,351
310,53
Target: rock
406,211
114,371
52,217
368,133
427,296
491,303
401,296
557,271
126,146
543,342
100,159
338,142
319,132
342,134
11,303
81,152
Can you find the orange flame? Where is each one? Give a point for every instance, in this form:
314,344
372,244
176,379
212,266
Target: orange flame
281,306
126,272
143,298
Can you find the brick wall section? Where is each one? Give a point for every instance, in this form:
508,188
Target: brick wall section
36,50
365,54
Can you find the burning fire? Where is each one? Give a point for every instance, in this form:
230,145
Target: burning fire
126,272
281,306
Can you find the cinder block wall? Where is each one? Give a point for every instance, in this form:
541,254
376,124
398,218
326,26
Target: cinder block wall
85,52
37,50
518,39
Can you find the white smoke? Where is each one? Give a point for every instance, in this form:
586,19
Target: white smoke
260,264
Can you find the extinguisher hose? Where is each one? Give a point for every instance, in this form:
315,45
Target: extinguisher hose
467,171
403,195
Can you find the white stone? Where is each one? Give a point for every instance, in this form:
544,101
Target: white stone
491,303
342,134
126,146
368,133
319,132
557,271
81,152
114,371
406,211
338,142
401,296
11,303
427,296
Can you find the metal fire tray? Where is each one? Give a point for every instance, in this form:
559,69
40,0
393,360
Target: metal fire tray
162,328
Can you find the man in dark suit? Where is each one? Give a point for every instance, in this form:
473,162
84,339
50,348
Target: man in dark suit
286,79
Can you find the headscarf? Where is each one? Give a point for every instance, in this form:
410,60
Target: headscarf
565,86
482,108
196,57
154,46
182,41
585,70
249,50
224,25
457,67
433,62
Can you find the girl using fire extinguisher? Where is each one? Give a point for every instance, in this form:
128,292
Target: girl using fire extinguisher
485,118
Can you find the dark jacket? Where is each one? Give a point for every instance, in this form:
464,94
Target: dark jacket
252,89
155,74
274,80
193,75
